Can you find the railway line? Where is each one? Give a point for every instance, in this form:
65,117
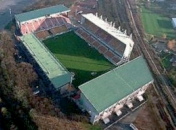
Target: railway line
167,108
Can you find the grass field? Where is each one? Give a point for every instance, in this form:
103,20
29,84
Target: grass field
166,60
75,54
157,24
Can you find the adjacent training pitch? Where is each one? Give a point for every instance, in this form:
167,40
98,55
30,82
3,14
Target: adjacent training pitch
156,24
75,54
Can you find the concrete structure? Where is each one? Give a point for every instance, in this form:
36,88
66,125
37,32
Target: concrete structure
109,92
122,45
174,22
58,75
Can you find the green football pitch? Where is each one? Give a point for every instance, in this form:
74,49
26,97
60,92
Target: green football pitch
75,54
156,24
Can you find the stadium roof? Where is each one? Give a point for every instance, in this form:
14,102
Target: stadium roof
113,86
57,74
41,12
109,28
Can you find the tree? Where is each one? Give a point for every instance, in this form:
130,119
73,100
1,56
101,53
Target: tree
164,36
171,44
4,111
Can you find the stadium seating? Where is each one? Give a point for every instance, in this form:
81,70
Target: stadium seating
102,49
54,21
36,25
24,29
115,59
113,44
30,27
108,38
42,35
60,21
99,46
96,44
109,54
58,30
47,23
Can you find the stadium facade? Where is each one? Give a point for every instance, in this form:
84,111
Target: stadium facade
104,95
110,92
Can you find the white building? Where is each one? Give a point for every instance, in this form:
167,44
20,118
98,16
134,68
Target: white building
109,92
174,22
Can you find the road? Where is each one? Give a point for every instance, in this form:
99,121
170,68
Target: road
13,6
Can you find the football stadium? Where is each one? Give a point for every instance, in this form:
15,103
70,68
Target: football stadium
92,56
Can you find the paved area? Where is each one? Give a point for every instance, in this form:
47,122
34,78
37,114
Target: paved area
8,8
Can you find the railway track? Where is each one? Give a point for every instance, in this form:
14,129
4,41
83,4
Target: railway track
166,108
161,85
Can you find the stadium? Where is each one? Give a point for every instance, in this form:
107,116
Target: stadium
93,57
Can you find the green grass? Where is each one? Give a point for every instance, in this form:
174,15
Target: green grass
75,54
156,24
166,60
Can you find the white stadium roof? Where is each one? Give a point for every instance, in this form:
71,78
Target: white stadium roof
109,27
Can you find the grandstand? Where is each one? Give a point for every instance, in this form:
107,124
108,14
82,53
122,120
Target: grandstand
109,93
41,24
116,42
43,19
52,68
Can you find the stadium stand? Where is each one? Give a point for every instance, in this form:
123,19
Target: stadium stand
116,41
36,25
43,24
42,34
52,68
98,45
58,30
104,96
42,19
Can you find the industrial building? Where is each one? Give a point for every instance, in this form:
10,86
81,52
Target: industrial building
110,92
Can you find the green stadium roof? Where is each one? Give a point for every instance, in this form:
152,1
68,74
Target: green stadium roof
40,13
111,87
57,74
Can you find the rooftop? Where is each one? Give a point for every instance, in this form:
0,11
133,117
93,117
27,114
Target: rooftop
41,12
109,28
57,73
113,86
174,20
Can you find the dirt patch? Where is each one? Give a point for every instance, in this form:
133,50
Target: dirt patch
149,118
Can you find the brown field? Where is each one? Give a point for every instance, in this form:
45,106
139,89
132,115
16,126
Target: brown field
149,118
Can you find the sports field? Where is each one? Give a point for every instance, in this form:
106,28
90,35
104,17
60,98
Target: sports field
156,24
75,54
